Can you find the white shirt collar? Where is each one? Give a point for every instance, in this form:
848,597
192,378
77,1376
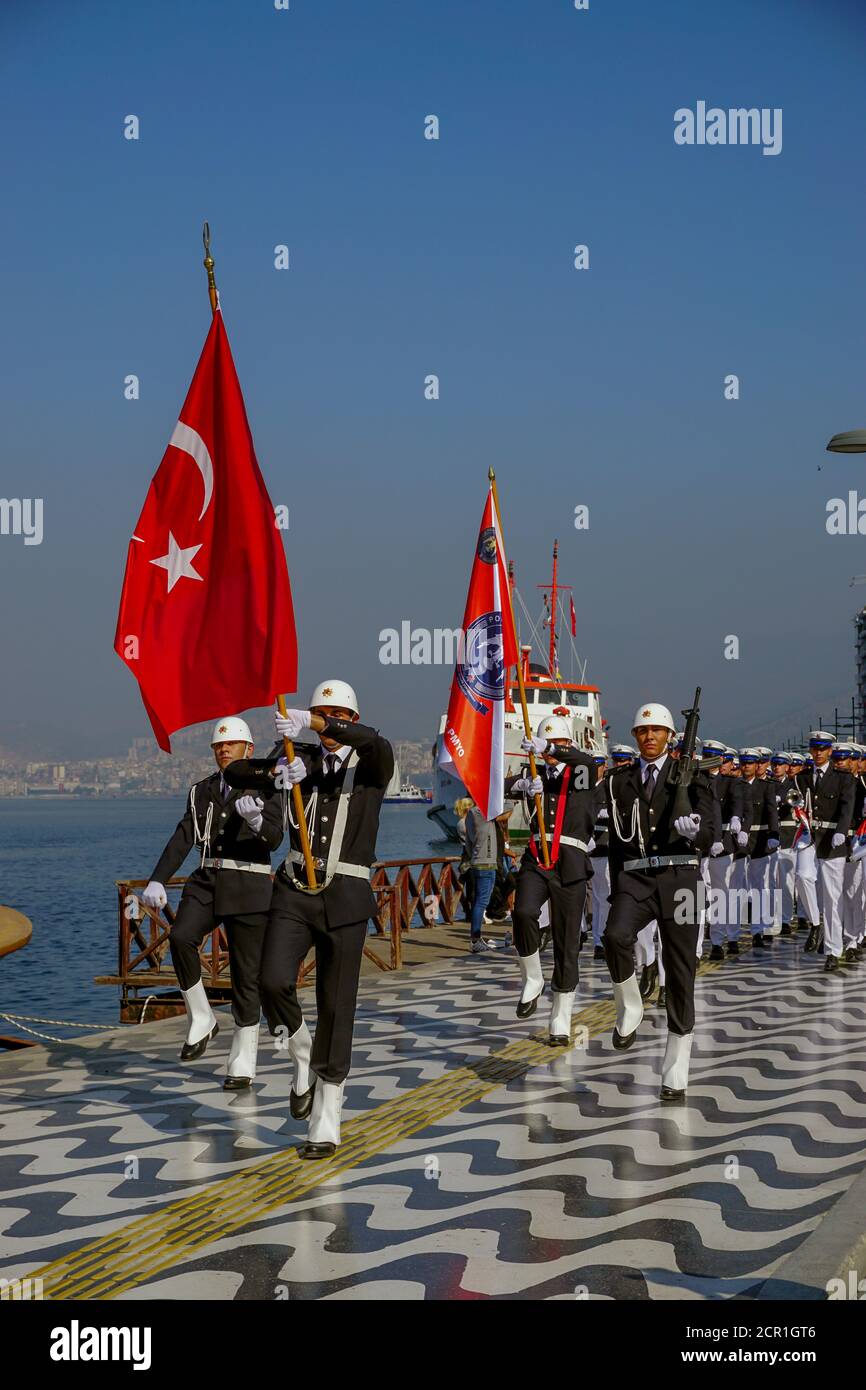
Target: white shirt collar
657,763
554,771
341,753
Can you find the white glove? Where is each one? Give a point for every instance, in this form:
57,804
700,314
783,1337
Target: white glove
742,839
772,844
522,784
288,773
716,848
590,845
154,895
292,723
531,744
858,850
837,840
735,824
602,815
688,826
250,809
536,786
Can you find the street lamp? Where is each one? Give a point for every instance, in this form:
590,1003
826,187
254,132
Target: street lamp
852,442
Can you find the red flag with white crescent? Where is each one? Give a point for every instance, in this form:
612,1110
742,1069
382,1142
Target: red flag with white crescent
473,745
206,623
573,617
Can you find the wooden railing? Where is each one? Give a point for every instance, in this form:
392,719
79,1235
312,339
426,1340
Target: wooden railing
409,892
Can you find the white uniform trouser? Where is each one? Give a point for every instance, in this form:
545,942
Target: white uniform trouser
600,895
645,946
738,898
852,903
806,872
761,896
785,863
831,880
702,915
719,873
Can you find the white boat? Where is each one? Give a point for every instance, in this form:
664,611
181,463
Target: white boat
546,693
400,793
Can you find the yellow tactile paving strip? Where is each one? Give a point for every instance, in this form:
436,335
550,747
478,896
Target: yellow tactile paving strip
110,1265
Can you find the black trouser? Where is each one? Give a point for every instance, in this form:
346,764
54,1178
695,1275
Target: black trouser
679,952
246,935
535,887
297,922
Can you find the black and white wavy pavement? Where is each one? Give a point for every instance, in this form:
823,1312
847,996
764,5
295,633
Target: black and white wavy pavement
569,1182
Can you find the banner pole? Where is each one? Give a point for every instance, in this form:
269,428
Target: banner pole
288,747
539,808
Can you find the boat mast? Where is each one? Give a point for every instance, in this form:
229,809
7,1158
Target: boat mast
551,660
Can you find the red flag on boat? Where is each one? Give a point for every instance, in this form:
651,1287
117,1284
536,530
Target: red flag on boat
573,617
206,623
473,745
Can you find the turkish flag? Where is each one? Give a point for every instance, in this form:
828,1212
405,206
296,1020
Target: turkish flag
473,745
206,623
573,617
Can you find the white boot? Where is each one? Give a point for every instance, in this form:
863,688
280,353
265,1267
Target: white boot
560,1018
533,984
675,1067
202,1022
241,1066
300,1048
629,1012
323,1136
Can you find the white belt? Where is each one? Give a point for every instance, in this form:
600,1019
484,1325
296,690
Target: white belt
236,864
753,829
570,840
350,870
656,861
824,824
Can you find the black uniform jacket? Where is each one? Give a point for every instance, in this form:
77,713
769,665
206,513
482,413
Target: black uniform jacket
578,817
729,797
346,899
761,816
832,809
231,892
660,839
787,820
599,834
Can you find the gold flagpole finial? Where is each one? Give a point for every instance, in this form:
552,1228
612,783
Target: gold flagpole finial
209,267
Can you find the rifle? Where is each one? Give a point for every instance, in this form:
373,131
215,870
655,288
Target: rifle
688,764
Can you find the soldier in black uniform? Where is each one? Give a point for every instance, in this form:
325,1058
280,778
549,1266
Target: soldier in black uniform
598,859
654,864
232,886
729,798
566,787
831,795
342,780
762,809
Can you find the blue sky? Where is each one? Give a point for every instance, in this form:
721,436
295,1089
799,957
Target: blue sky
409,257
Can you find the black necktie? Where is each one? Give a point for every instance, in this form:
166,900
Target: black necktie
331,760
649,781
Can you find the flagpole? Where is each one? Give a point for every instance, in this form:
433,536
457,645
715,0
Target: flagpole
288,746
539,809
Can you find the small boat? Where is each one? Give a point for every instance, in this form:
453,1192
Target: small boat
400,793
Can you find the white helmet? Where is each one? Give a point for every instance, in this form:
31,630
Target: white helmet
231,730
336,693
553,726
654,714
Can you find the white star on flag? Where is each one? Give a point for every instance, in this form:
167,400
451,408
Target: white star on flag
178,562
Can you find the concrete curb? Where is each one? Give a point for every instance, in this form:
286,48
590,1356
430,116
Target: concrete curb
835,1247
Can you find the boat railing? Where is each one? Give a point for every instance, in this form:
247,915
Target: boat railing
409,893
